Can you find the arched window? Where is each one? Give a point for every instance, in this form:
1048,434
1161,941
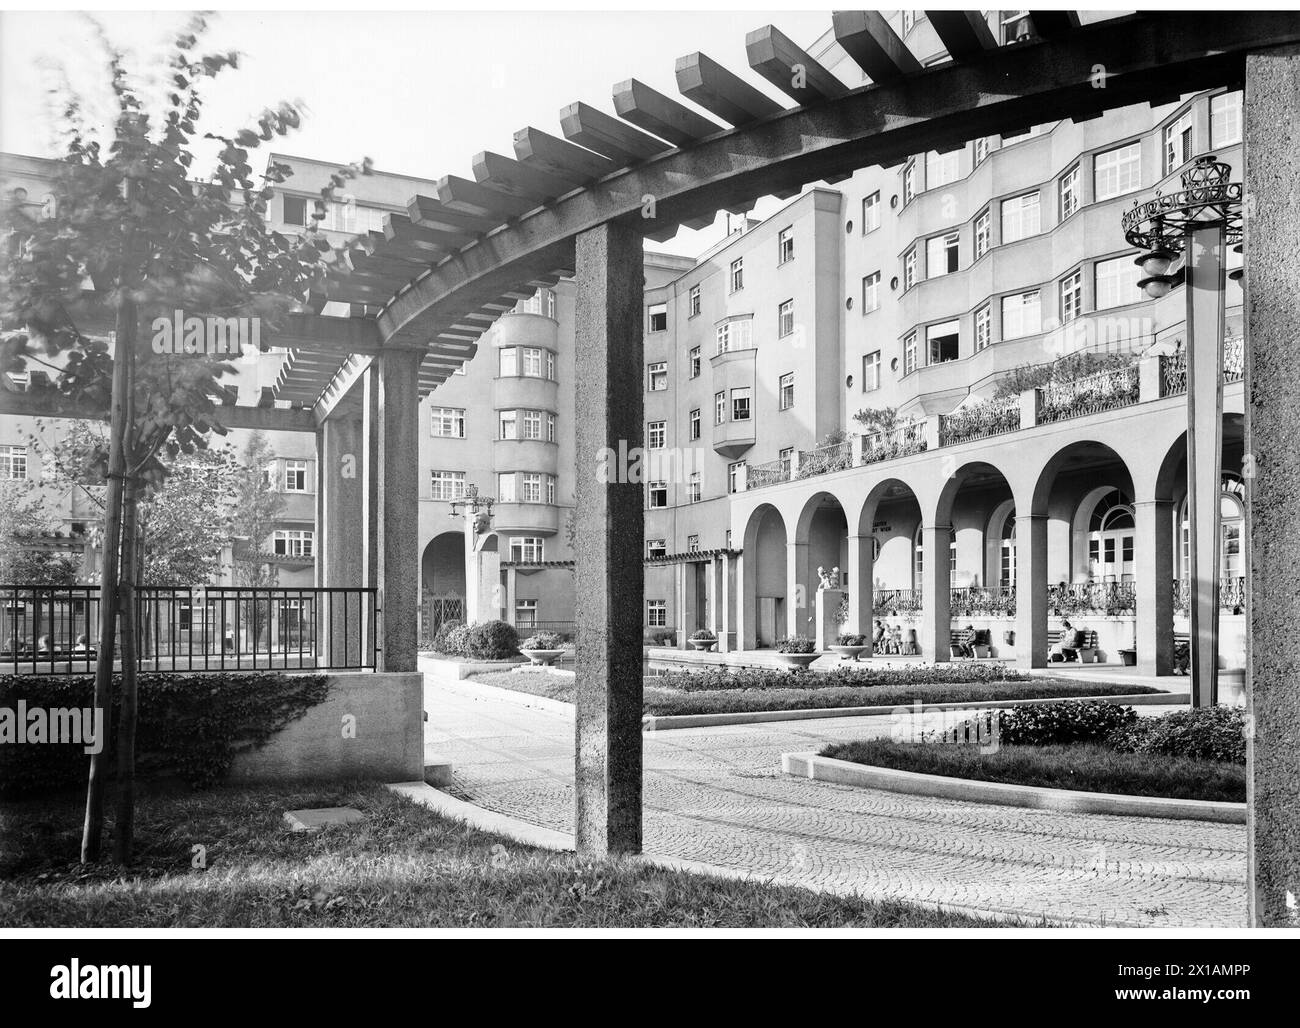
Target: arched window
1232,526
1110,539
1007,562
918,559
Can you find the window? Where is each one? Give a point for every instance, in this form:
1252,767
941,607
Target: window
785,319
692,544
1069,186
871,372
509,425
693,488
941,255
656,547
656,613
785,245
658,317
871,212
1071,296
736,334
1015,26
981,150
13,462
1117,171
293,542
1021,315
909,269
693,301
982,224
693,359
942,342
719,408
506,487
695,424
527,549
509,362
740,403
786,456
295,210
871,293
983,328
738,274
1225,119
550,428
657,377
525,613
531,488
733,475
532,424
909,182
785,390
550,489
550,366
295,476
447,422
656,434
1178,142
1020,217
1116,283
532,362
658,493
909,353
940,168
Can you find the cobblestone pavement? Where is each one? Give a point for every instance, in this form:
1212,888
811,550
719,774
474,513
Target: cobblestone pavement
718,795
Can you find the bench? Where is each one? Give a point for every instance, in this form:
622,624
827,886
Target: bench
1085,654
976,639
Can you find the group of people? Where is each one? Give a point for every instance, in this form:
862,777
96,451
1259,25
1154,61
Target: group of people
887,640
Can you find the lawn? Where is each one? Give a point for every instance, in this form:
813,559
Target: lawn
810,691
402,865
1087,767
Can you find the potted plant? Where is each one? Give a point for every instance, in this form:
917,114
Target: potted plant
797,652
543,648
702,639
850,645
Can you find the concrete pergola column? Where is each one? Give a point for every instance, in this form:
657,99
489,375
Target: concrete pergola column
725,596
609,578
1272,483
398,547
746,601
799,594
1031,589
936,593
1155,598
340,557
860,583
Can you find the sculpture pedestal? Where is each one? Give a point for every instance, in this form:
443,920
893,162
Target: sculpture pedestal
828,622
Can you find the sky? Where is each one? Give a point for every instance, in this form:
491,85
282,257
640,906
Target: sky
420,93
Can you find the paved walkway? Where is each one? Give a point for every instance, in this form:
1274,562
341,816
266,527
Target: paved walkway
718,795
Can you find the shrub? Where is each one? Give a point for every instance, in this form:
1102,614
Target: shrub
796,644
851,639
1065,722
702,634
442,637
492,640
543,641
1206,733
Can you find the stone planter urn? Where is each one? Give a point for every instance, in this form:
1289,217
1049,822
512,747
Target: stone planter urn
797,661
846,652
542,658
703,645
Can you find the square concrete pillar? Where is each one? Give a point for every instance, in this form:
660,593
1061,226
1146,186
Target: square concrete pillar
726,600
609,577
399,508
340,554
1155,587
1272,485
861,576
936,592
1031,589
369,526
798,602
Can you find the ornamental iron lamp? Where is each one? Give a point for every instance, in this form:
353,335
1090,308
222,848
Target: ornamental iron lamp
1197,222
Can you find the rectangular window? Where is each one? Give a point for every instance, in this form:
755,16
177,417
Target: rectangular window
295,476
981,150
293,542
1178,143
550,489
525,613
693,359
656,547
1069,192
1071,296
506,487
871,372
532,362
1117,171
785,319
909,353
740,404
527,549
550,366
13,462
733,475
1020,217
658,317
786,456
295,210
785,389
941,255
909,182
695,424
785,246
909,269
942,342
657,377
1225,120
692,544
693,302
693,494
531,488
656,613
509,358
983,328
1116,282
532,424
871,292
871,212
509,424
656,435
447,485
738,274
736,334
940,168
1021,315
550,428
447,422
658,494
719,408
982,225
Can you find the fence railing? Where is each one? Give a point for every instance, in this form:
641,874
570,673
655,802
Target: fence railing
825,459
773,472
902,441
887,602
55,629
1173,366
980,421
973,601
1092,394
565,629
1232,595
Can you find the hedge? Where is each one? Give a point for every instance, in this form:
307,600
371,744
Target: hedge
1204,733
841,678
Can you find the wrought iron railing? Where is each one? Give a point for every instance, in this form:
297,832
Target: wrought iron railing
892,602
824,459
1173,366
1111,598
977,602
1092,394
902,441
55,629
759,475
1232,595
980,421
567,630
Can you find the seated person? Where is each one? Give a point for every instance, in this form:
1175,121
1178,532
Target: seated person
1067,648
878,640
896,640
963,642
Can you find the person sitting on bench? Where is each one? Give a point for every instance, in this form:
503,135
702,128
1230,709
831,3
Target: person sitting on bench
1067,647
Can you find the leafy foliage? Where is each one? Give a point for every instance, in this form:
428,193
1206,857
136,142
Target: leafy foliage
22,520
1202,733
1069,721
1069,368
492,640
258,506
796,644
543,641
704,634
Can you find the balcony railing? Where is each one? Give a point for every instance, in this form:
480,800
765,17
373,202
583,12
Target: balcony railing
892,602
1173,366
980,421
773,472
1109,598
1092,394
1232,596
825,459
977,602
55,629
902,441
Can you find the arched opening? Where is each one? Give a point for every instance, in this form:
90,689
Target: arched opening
442,580
764,612
1232,528
1112,533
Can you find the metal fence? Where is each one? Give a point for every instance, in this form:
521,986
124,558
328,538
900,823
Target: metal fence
55,629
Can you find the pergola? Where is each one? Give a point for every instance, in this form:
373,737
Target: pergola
579,204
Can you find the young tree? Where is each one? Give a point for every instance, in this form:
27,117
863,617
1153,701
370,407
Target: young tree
258,507
132,237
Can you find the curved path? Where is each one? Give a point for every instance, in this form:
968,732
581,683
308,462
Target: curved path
717,795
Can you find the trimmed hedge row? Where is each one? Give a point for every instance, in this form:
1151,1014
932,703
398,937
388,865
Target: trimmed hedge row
487,640
840,678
